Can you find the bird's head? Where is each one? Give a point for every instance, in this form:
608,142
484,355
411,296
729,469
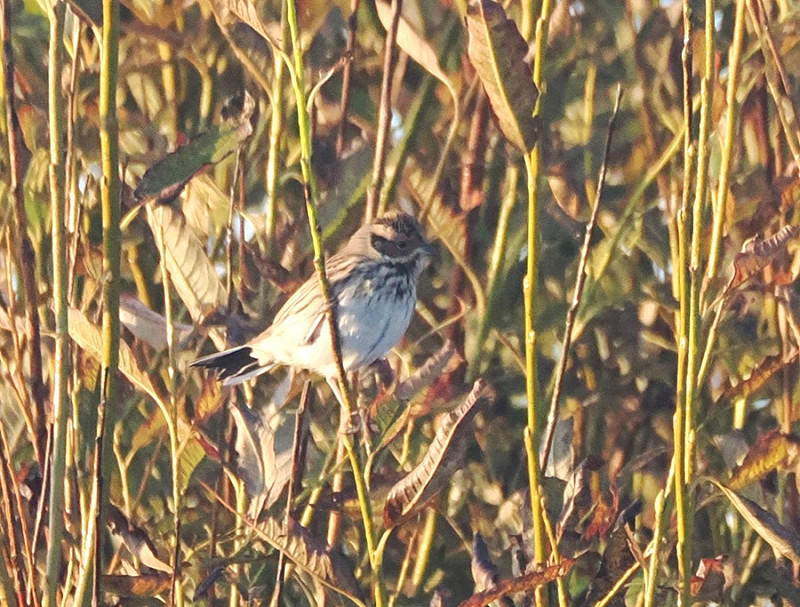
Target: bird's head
397,237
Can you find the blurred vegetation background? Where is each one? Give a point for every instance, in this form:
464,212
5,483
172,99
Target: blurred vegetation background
688,303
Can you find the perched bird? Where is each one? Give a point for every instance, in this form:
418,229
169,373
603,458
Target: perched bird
373,281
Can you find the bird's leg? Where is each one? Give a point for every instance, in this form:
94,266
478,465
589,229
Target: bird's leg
353,424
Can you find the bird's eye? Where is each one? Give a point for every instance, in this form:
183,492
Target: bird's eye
402,244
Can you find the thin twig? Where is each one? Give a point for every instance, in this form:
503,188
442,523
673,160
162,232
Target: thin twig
580,282
298,464
385,114
347,76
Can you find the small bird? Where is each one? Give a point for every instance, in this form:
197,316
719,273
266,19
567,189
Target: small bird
373,282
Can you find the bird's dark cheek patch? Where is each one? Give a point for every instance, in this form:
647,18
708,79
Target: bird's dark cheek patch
383,245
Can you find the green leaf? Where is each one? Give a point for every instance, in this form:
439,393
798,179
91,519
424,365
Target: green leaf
165,180
497,51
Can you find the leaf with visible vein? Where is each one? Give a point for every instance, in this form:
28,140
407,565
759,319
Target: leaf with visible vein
434,471
497,51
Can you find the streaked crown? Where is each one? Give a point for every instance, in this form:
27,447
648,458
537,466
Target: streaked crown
398,236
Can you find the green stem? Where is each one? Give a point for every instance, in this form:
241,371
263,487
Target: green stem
112,247
531,433
275,132
734,70
60,395
58,214
298,84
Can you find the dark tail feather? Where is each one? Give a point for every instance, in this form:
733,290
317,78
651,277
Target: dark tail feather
233,366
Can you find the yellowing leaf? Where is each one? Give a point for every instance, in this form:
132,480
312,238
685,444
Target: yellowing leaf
497,51
190,270
88,336
411,41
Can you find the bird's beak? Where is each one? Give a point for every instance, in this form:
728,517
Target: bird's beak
430,251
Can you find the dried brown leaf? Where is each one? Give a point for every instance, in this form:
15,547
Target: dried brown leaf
137,585
89,337
757,253
771,451
785,540
497,51
190,270
523,583
311,555
147,325
766,369
433,472
412,42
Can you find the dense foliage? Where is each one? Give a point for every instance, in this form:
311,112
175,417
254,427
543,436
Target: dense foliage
688,303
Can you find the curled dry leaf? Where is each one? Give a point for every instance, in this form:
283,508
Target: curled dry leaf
257,464
523,583
497,51
757,253
441,459
89,338
771,451
765,370
412,42
577,493
393,417
784,540
311,555
427,373
136,540
147,325
709,581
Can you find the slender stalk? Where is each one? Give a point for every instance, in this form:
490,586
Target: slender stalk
680,423
295,481
734,71
384,115
60,304
530,285
580,281
171,418
275,135
658,529
112,240
298,83
618,585
11,553
347,75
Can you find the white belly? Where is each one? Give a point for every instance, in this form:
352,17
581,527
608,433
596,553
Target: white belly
369,328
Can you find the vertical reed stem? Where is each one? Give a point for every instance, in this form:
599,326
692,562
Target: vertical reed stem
58,215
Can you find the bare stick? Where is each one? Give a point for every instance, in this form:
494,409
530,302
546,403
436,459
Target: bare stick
385,115
347,75
580,281
298,463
